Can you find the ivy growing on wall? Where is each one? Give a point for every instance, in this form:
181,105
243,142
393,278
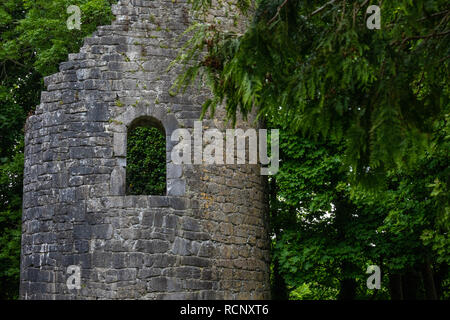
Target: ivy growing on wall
146,162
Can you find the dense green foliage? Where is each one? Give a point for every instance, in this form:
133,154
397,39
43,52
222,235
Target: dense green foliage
33,39
146,162
328,232
317,67
11,175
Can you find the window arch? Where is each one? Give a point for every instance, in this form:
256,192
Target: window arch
146,157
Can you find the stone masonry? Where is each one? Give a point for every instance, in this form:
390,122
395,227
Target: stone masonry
206,239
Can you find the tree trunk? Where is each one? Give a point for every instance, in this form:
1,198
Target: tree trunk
395,287
439,277
279,290
411,285
348,289
278,286
348,285
428,281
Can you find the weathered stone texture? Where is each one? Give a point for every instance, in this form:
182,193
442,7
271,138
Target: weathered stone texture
206,239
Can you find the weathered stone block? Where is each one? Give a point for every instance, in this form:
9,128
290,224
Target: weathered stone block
117,183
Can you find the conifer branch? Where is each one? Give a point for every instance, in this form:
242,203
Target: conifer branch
321,8
432,35
278,12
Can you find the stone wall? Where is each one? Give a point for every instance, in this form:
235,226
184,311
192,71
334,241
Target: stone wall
206,239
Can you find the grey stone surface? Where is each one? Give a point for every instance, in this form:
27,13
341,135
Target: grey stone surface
120,144
205,239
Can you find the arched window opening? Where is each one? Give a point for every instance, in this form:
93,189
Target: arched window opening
146,158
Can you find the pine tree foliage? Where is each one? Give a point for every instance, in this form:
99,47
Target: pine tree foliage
316,66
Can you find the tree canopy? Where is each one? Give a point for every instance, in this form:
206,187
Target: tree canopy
316,66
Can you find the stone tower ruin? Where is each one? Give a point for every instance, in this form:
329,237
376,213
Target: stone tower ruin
205,239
